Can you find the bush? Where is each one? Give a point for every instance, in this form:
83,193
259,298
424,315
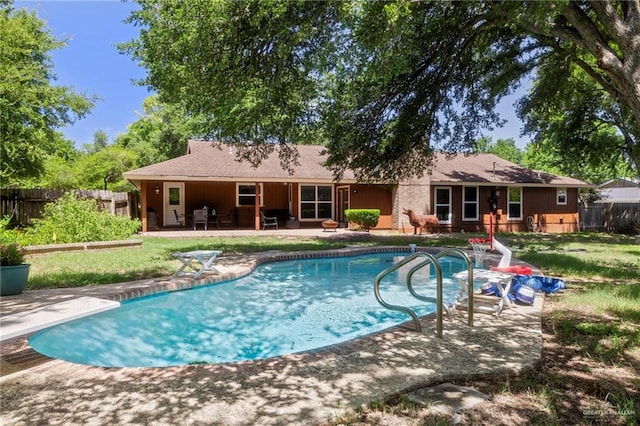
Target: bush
72,220
362,219
11,254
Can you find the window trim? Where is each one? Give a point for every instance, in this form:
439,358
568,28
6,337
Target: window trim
316,201
509,203
253,185
476,202
558,202
436,205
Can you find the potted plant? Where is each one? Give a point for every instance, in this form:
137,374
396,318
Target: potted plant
13,271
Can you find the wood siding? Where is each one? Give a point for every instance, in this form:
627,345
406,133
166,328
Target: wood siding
374,197
540,203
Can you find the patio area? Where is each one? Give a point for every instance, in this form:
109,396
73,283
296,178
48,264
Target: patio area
304,388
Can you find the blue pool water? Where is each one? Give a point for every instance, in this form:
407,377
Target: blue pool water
280,308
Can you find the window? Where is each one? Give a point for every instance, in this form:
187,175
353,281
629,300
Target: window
443,204
470,203
246,194
515,203
174,196
316,202
561,196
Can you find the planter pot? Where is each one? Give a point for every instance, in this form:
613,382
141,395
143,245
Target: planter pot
13,279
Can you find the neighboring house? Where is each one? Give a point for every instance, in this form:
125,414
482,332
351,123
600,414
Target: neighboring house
620,190
618,209
460,190
620,183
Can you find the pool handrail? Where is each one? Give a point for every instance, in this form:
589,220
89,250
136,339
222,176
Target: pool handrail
461,253
430,259
426,298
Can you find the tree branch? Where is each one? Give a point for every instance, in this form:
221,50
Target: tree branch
614,25
591,39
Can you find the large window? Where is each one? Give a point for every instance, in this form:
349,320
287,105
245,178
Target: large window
316,202
470,203
515,203
443,204
246,194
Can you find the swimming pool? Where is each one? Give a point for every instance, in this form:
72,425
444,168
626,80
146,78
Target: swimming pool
280,308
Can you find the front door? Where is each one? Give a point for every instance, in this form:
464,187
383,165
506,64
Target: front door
343,204
173,203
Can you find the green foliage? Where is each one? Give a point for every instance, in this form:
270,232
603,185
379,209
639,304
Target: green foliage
385,84
11,254
551,155
31,108
71,219
100,142
363,219
503,148
103,169
162,132
574,123
7,235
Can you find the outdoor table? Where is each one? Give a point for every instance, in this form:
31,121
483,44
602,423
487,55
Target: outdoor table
191,260
501,279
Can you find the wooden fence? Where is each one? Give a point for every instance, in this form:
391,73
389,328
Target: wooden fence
619,217
23,205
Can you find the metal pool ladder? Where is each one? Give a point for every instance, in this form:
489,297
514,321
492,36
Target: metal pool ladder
428,259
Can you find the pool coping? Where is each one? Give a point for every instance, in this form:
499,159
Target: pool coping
301,388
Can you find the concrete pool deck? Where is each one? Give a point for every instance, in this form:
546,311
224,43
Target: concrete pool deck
304,388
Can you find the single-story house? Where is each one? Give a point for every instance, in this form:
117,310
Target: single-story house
462,191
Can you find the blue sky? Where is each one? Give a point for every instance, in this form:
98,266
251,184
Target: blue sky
91,64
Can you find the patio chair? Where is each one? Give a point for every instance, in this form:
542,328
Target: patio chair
268,221
179,217
200,216
225,220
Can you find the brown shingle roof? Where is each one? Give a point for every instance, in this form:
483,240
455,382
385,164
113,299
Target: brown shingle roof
216,161
489,168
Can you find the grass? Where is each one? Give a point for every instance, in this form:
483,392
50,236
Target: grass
591,332
153,258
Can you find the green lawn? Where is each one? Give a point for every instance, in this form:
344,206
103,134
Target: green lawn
599,257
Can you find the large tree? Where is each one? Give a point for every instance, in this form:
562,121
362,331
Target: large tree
385,84
503,148
161,132
31,107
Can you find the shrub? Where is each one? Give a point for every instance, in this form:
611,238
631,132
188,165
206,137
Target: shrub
362,219
71,220
11,254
